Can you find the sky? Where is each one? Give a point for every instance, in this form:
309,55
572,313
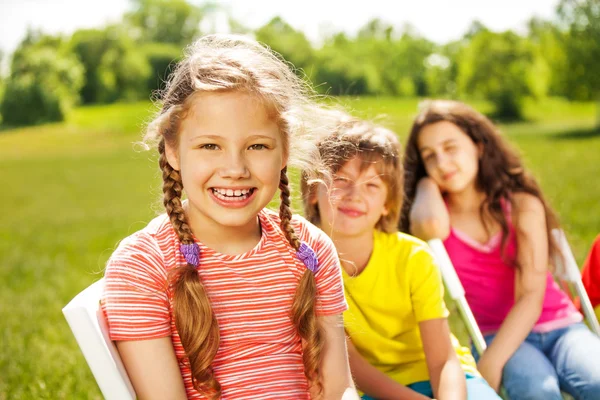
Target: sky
437,20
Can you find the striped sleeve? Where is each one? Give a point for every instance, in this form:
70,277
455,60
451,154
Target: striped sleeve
330,288
135,299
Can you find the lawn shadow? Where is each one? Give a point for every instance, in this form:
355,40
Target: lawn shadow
576,134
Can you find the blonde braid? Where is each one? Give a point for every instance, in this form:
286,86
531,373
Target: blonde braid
303,313
194,318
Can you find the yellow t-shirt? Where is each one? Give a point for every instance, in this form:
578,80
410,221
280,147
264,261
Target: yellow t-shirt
400,287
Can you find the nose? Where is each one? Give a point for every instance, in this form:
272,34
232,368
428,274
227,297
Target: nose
443,161
235,166
352,191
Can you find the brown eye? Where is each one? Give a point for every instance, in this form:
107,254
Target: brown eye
209,146
258,146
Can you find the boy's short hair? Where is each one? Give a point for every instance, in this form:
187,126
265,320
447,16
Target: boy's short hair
375,145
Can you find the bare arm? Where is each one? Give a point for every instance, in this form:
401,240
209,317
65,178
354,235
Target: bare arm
428,215
337,380
530,287
153,368
445,372
375,383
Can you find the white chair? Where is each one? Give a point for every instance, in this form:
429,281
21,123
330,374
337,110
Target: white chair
457,293
567,270
90,329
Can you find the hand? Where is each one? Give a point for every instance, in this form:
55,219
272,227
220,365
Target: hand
491,372
427,182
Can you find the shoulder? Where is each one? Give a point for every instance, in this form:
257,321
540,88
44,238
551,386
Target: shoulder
142,250
405,251
305,230
526,202
401,242
527,207
311,234
147,238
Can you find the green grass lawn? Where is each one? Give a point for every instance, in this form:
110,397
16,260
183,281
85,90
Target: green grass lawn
71,191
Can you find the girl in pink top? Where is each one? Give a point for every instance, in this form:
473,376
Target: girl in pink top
465,185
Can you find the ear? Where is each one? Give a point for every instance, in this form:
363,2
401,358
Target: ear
172,156
385,211
312,197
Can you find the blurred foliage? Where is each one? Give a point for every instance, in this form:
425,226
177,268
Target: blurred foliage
581,19
115,67
293,45
167,21
130,60
1,84
496,67
44,83
162,57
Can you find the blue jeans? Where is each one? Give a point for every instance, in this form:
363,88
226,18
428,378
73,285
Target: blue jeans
477,389
565,359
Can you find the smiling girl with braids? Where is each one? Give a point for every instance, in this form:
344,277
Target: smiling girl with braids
220,297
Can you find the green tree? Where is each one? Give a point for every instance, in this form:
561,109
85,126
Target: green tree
166,21
496,66
550,66
581,18
287,41
441,69
44,82
162,58
379,60
336,71
1,81
407,62
115,67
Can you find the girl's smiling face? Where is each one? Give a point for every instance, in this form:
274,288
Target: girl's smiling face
230,154
450,157
354,203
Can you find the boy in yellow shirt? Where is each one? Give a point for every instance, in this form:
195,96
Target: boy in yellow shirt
400,344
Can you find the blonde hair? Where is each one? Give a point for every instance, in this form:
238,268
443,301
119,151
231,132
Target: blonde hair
223,63
374,145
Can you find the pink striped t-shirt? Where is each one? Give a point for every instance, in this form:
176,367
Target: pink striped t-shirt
260,353
489,278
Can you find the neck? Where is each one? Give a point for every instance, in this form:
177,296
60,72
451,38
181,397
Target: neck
231,240
354,251
467,200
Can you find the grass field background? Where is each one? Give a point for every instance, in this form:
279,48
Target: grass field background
71,191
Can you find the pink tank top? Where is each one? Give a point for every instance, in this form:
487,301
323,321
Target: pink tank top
488,279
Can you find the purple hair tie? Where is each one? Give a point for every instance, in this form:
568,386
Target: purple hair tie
191,253
308,257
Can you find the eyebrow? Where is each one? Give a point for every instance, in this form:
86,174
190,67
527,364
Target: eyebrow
219,137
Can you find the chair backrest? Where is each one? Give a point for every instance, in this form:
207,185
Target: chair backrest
457,292
89,326
566,269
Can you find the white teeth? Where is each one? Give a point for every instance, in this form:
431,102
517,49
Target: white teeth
229,193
